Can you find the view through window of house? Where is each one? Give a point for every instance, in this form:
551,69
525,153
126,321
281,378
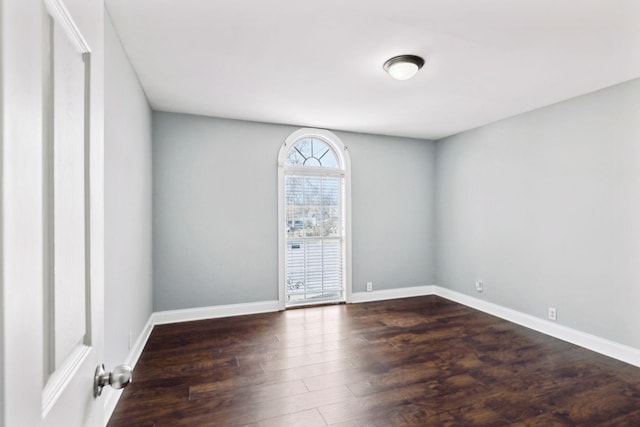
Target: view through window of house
314,224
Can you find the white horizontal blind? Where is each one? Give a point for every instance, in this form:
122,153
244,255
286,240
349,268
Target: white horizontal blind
314,243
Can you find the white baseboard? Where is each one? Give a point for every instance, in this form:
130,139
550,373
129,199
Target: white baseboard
200,313
385,294
600,345
112,396
591,342
603,346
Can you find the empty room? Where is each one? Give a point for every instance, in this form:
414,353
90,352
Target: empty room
296,213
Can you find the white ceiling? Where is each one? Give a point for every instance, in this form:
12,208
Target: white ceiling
319,63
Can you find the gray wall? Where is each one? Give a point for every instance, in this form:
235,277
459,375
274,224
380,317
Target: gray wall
545,208
393,213
215,210
128,273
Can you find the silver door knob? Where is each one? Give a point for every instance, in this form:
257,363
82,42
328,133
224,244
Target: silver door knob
120,377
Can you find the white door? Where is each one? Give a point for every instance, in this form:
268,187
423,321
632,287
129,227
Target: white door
52,211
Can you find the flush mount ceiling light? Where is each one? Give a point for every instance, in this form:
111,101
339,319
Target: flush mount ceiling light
403,67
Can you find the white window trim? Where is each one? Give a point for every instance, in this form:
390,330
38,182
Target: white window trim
344,160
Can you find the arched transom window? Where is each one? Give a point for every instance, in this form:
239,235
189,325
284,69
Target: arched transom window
311,152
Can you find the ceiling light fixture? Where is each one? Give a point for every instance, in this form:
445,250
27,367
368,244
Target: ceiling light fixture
403,67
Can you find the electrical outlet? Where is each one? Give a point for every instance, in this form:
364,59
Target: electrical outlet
552,313
369,286
479,286
130,340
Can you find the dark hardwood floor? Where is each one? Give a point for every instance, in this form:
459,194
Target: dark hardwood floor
417,361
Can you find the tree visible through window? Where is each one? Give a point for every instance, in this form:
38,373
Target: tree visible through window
311,152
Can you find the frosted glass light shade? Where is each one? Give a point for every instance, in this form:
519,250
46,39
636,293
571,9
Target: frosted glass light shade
403,67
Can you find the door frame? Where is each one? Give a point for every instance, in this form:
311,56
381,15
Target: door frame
344,159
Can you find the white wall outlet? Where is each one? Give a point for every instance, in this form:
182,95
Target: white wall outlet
552,313
369,286
479,286
130,340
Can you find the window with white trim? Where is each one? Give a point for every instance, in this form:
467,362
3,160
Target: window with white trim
313,211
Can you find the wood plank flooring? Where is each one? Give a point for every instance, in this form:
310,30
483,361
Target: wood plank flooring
420,361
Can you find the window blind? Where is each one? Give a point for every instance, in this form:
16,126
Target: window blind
314,227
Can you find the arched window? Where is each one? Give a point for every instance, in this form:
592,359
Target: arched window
314,219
